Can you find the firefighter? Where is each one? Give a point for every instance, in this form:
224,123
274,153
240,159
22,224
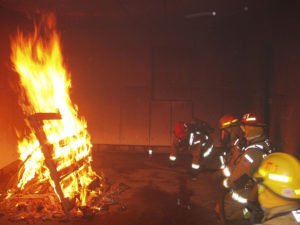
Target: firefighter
194,137
230,130
239,175
278,181
179,140
232,140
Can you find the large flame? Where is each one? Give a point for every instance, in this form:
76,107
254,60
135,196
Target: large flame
38,60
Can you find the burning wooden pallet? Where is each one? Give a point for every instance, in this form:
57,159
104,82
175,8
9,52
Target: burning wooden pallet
56,155
47,206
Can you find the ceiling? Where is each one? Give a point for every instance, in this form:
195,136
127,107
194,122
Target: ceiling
142,12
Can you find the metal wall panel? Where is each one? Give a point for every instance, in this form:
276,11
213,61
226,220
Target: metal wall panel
135,110
8,145
208,107
181,111
160,123
171,74
103,115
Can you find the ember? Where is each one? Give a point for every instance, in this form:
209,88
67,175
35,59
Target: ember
55,177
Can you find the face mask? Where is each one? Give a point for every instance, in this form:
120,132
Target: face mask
252,132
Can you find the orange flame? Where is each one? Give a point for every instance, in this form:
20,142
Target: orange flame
38,60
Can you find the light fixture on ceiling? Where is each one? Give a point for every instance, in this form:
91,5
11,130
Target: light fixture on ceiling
199,14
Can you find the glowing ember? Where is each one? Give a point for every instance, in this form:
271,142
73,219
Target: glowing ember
38,60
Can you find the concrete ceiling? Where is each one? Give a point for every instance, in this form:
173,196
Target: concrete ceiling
142,12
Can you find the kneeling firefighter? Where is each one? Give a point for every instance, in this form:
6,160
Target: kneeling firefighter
239,176
194,137
232,143
232,140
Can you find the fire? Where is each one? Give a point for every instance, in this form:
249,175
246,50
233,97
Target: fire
38,60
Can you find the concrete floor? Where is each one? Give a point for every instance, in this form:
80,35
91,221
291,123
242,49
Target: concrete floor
158,194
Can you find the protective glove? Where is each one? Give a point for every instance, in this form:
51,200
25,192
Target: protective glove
253,211
253,205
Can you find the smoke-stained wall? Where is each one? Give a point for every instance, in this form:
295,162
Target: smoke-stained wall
11,118
285,80
132,84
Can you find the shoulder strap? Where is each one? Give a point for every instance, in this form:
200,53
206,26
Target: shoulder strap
264,146
279,215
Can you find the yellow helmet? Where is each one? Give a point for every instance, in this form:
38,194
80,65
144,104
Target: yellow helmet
279,172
